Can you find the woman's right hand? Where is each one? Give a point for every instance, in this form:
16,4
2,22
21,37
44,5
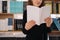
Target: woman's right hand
30,24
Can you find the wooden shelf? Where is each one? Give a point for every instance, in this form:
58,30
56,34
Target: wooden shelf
10,31
51,0
54,33
48,0
6,16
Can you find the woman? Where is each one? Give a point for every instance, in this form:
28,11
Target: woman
31,29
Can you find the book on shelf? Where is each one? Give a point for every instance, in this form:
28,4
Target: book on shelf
4,6
10,21
49,4
38,14
56,21
3,24
0,6
6,24
10,24
18,24
59,7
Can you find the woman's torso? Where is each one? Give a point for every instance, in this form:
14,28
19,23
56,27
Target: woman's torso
37,32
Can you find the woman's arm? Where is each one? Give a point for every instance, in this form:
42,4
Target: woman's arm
24,22
27,26
49,24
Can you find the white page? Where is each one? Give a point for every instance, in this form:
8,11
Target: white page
33,13
37,14
45,13
3,24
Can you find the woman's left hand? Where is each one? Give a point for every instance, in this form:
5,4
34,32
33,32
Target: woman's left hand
48,21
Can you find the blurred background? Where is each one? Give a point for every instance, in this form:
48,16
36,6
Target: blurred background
11,16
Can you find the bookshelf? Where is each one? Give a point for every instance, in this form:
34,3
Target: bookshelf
56,6
14,25
8,11
55,9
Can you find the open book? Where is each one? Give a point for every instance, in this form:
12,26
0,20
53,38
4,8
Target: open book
38,14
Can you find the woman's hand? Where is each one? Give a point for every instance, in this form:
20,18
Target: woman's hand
29,24
48,21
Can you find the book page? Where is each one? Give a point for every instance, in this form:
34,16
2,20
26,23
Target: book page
45,13
33,13
3,24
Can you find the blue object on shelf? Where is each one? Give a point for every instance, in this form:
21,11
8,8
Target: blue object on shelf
57,23
16,7
10,21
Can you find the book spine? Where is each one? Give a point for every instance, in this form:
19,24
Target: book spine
4,6
59,8
18,24
0,6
